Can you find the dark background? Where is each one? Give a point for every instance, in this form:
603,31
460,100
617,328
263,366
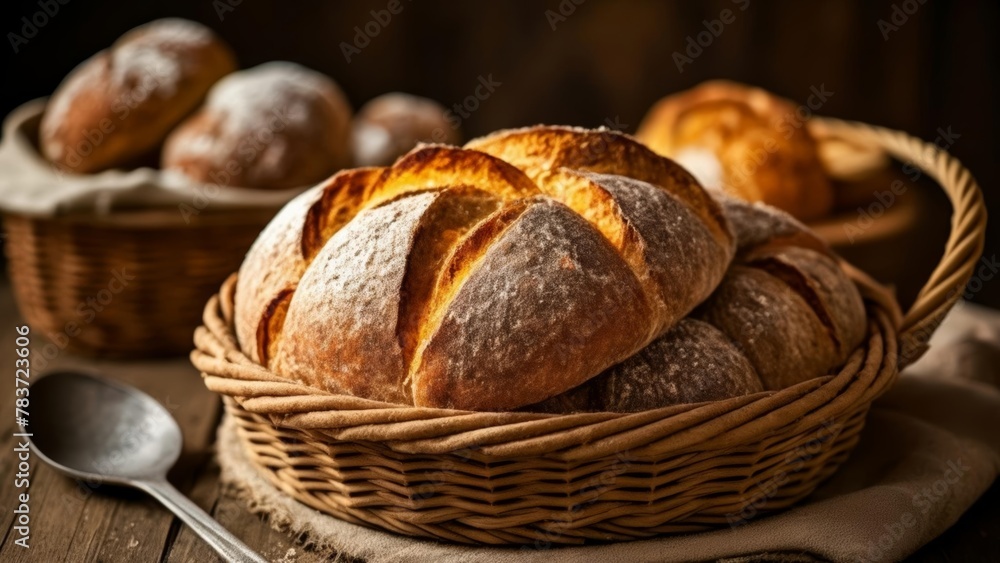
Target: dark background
606,60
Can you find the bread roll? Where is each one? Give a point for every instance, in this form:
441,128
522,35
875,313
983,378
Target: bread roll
388,126
119,105
788,305
745,141
455,280
275,126
692,363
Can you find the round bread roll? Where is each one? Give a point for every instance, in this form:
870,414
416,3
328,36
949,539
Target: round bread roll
692,363
786,304
745,141
388,126
275,126
483,278
119,105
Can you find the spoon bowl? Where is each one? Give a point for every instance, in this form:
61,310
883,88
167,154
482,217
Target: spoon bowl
94,429
104,431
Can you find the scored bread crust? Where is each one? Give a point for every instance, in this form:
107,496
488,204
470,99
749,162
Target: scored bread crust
772,324
528,302
550,296
787,304
544,152
119,105
283,250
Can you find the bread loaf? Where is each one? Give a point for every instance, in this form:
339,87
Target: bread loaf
275,126
784,313
390,125
484,278
744,140
119,105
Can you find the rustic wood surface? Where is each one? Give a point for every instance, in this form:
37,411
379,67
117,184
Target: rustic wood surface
68,523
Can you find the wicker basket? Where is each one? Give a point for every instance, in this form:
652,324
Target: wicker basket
525,478
126,284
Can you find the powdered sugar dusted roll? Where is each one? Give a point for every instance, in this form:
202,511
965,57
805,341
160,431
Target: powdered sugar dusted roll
278,125
119,105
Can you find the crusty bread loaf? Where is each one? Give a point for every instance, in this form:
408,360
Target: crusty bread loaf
390,125
744,140
119,105
275,126
482,279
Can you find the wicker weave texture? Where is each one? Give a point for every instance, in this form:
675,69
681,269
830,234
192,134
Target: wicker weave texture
538,479
130,284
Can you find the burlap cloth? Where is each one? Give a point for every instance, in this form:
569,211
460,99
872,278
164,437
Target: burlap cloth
30,185
930,449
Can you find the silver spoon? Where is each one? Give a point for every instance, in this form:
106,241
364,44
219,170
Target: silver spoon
102,431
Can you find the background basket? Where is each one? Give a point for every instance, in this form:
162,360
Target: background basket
117,263
125,284
526,478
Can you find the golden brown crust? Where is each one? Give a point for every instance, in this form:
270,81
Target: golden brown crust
668,246
773,325
823,284
340,330
744,140
434,166
541,151
549,305
692,363
119,105
275,126
283,250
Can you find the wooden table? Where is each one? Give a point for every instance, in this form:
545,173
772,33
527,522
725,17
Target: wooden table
71,523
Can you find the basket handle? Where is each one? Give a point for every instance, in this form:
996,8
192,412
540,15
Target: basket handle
965,242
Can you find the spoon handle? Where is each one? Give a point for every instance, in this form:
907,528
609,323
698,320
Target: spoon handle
228,546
